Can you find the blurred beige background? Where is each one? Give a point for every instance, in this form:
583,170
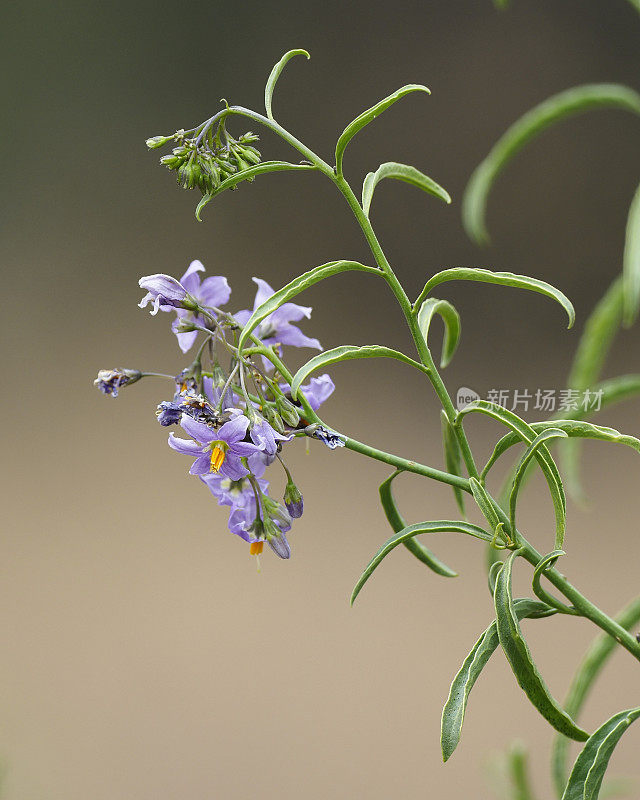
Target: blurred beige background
143,656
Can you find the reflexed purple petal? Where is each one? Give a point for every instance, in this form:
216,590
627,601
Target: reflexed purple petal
164,286
214,291
232,467
289,334
200,432
185,446
240,524
264,292
289,312
243,448
186,340
234,430
191,280
318,390
242,317
201,465
257,463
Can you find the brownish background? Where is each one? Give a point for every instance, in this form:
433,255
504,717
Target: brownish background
143,656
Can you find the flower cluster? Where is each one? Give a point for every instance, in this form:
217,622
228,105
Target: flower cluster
205,160
237,418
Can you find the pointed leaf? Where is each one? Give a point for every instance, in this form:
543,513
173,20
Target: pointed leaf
456,705
631,262
249,174
397,523
433,526
451,320
519,657
554,109
347,352
294,288
556,490
275,74
527,433
599,652
368,116
501,279
573,428
452,457
400,172
588,771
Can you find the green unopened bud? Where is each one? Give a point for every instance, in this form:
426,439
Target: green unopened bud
288,411
158,141
218,377
274,419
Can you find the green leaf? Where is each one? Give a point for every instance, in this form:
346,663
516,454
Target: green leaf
451,320
347,352
527,433
401,172
452,457
631,262
519,657
249,174
573,428
519,772
599,652
483,501
433,526
596,339
456,705
556,490
554,109
545,563
368,116
588,771
397,523
294,288
275,74
500,278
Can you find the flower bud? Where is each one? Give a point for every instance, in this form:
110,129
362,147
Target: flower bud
293,499
158,141
274,419
287,410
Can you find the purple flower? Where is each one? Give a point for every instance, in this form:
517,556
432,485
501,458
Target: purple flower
109,381
266,437
212,291
237,494
166,292
169,413
316,391
275,522
277,327
216,450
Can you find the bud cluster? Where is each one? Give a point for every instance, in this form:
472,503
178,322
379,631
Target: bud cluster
204,160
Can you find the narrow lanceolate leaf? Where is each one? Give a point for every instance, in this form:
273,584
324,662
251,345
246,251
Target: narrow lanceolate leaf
368,116
631,262
294,288
574,428
456,705
452,457
597,338
588,771
484,503
397,523
347,352
451,320
585,676
518,764
249,174
501,279
433,526
275,74
527,433
554,109
522,664
400,172
556,490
